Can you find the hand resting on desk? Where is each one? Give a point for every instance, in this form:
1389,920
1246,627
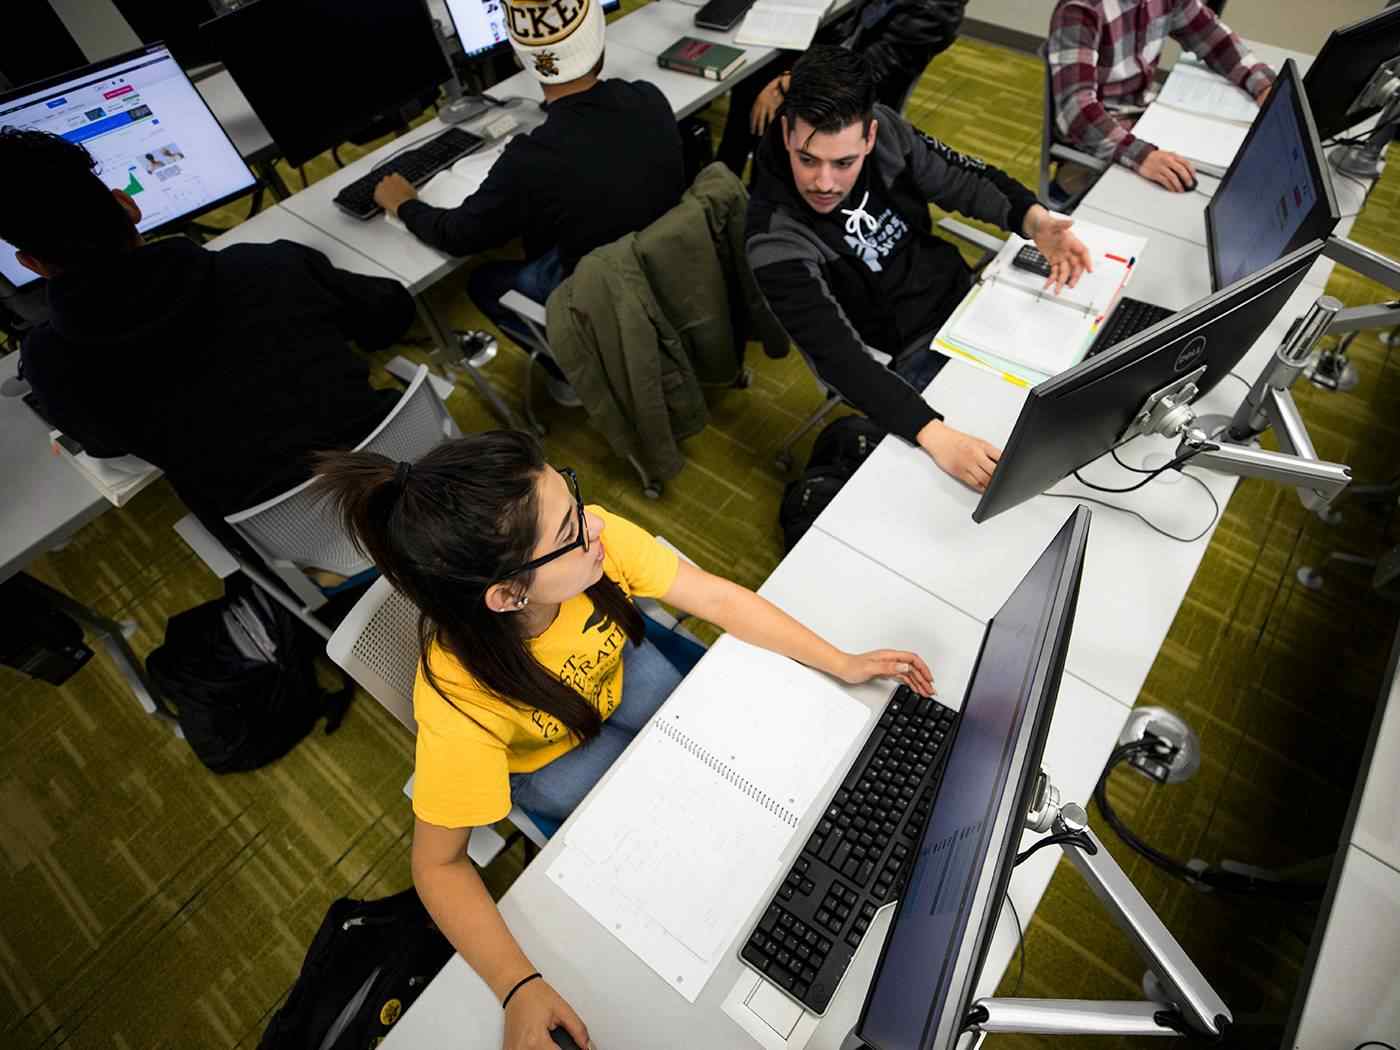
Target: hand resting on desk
964,457
392,191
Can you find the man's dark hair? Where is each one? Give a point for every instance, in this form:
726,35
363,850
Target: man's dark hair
53,205
831,89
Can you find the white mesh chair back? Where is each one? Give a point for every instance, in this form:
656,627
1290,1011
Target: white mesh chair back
377,645
302,530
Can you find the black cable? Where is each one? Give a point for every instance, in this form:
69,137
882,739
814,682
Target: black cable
1021,947
1235,375
1372,1042
1351,178
1175,464
1215,515
1073,838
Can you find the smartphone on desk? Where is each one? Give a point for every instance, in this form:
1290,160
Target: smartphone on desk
721,14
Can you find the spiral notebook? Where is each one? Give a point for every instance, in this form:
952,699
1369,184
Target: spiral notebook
675,850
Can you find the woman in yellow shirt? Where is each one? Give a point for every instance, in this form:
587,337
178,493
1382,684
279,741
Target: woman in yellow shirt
535,672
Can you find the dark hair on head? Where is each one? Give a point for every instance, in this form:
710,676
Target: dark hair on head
442,534
831,88
53,205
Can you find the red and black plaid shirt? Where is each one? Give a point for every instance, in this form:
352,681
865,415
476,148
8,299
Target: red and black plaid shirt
1103,55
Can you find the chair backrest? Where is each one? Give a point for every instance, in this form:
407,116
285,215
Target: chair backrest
302,529
1047,122
377,645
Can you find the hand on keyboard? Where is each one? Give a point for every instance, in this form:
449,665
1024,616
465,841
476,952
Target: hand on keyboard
909,668
393,190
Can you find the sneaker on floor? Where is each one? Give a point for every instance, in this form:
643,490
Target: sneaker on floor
477,347
562,393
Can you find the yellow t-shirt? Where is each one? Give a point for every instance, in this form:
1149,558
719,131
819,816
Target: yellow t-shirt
464,760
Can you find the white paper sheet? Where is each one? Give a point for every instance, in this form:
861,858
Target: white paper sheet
1194,89
1197,138
449,188
681,844
768,25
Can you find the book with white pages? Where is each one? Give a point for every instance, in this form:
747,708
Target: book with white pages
449,188
1209,143
1012,323
674,851
787,24
1193,88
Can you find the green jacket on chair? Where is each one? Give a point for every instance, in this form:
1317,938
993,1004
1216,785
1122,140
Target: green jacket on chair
645,322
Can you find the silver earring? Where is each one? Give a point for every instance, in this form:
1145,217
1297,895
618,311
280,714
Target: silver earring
522,602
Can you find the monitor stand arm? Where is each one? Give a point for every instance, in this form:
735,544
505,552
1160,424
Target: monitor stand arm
1187,1003
1366,161
1222,443
1379,268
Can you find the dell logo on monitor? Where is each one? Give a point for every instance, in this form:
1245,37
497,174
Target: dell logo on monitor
1191,355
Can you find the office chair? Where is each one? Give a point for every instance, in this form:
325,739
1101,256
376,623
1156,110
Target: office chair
298,530
377,645
1051,149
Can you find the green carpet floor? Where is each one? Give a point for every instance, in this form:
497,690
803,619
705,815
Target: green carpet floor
148,903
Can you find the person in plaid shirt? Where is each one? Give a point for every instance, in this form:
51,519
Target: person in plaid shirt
1103,55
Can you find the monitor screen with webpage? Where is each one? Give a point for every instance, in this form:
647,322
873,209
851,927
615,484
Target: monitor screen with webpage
1277,194
481,24
147,127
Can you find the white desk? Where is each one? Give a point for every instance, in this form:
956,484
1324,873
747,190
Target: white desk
279,223
621,1000
231,108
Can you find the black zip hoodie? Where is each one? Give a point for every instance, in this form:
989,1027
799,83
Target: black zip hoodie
226,369
872,274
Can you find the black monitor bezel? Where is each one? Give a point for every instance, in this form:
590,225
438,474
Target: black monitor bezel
1128,354
1043,679
333,132
1334,53
1317,166
38,87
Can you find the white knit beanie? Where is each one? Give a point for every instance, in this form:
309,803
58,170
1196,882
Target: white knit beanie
556,40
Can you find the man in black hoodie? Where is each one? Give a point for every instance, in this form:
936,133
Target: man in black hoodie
225,369
840,240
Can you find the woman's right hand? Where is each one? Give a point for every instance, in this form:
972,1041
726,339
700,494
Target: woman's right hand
533,1011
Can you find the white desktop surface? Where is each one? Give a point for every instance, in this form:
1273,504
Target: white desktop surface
1377,828
231,108
859,606
278,222
1359,998
46,499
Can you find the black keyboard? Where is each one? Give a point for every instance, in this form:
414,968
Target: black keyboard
855,860
417,165
1129,317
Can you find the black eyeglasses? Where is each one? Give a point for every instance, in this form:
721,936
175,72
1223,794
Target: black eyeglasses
581,540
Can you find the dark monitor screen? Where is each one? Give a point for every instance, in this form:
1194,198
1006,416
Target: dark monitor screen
1080,414
480,25
174,23
946,915
1348,59
1277,194
318,71
149,130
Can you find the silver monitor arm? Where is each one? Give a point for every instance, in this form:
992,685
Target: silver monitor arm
1187,1004
1366,160
1220,444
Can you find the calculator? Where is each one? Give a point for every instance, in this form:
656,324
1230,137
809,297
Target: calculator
1030,258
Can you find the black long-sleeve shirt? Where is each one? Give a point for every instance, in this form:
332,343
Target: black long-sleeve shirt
872,273
606,162
226,369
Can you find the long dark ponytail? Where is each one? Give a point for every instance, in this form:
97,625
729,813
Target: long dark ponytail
442,534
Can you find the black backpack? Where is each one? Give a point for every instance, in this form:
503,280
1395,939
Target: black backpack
241,672
838,451
366,965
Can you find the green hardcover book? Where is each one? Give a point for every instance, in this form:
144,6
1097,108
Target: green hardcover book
701,58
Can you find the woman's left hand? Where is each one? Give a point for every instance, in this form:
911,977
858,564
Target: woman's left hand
909,668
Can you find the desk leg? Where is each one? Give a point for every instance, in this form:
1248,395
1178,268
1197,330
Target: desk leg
267,170
110,634
452,352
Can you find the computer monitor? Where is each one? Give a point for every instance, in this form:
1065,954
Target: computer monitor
480,25
1079,415
149,131
1348,60
947,912
174,23
1277,194
318,71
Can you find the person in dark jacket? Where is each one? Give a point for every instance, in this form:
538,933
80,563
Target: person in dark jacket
606,162
841,244
898,38
225,369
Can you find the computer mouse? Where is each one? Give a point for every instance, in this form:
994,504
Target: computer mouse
1190,186
562,1038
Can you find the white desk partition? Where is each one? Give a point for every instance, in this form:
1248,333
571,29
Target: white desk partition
621,1000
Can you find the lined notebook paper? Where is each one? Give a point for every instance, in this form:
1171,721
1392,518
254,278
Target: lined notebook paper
680,845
